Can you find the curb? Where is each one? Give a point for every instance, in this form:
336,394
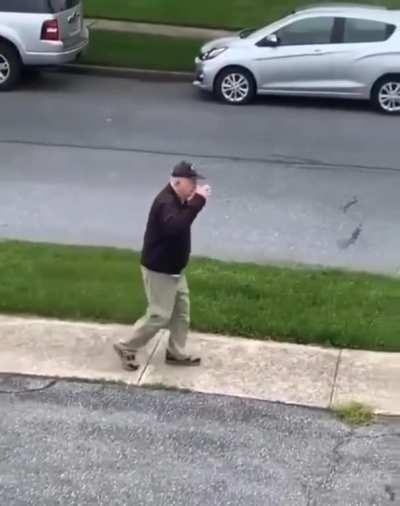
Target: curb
128,73
143,28
142,22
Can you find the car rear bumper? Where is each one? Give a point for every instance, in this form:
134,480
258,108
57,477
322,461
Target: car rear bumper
58,55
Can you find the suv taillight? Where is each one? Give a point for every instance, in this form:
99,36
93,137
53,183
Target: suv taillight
50,30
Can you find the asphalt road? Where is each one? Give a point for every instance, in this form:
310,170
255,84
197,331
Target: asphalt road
90,444
294,180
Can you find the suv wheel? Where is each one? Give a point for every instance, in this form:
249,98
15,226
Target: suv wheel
386,95
235,86
10,67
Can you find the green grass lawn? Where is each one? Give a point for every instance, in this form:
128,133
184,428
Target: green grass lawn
141,51
305,306
208,13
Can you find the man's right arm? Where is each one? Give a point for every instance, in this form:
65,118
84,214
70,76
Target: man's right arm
175,220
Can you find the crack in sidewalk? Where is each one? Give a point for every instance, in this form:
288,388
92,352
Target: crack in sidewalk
335,377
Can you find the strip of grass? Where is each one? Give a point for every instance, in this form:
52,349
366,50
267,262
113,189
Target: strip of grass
230,14
141,51
306,306
354,413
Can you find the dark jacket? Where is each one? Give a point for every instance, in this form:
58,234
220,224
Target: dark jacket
167,241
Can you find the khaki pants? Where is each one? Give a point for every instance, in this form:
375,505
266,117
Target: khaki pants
168,308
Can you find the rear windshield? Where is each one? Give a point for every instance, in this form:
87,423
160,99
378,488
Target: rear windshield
62,5
37,6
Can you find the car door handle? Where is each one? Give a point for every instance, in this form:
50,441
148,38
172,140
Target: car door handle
319,51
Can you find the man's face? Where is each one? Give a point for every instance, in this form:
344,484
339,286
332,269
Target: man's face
187,187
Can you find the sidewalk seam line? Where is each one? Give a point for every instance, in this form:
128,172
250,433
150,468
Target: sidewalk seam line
335,376
156,346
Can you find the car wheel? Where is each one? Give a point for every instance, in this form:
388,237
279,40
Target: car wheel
386,95
235,86
10,67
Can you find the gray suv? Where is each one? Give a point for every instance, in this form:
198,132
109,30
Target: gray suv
340,50
38,33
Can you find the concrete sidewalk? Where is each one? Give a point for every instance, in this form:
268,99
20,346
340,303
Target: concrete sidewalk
272,371
156,29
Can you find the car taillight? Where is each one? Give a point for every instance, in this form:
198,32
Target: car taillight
50,30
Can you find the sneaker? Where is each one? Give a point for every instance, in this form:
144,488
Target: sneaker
127,356
185,361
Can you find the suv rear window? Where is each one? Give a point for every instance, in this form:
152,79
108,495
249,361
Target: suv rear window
34,6
37,6
63,5
365,30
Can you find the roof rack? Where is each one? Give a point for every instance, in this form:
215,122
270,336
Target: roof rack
342,5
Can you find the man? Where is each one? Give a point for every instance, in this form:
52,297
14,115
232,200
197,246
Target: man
166,251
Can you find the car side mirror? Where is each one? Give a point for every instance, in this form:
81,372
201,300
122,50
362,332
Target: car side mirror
271,40
245,33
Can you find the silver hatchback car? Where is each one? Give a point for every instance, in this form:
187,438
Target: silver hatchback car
336,50
38,33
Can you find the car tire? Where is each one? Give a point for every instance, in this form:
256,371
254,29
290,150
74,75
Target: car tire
10,67
385,95
235,86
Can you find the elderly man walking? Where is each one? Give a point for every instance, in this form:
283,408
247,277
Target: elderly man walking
166,252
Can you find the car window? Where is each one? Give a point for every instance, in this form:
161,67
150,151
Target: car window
63,5
307,31
365,30
30,6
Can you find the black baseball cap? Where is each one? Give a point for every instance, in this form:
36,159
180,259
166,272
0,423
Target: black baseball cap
185,169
